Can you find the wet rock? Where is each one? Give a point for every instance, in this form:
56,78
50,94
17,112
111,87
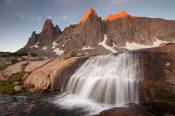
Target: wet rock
25,104
131,110
157,90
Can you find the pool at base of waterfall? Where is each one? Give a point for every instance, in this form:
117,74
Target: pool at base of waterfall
72,102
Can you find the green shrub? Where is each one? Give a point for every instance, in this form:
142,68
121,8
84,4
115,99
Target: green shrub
8,89
16,77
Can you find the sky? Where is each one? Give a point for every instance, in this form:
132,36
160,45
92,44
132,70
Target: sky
19,18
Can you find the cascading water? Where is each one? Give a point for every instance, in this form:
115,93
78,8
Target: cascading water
111,80
108,79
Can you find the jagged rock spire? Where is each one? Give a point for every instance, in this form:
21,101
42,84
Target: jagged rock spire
90,12
48,24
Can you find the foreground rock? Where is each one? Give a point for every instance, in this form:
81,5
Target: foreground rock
33,65
68,54
16,68
26,66
48,76
131,110
17,88
158,87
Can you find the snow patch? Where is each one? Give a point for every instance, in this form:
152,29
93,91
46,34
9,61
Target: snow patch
103,43
86,48
58,51
134,46
44,48
113,44
54,45
45,58
34,46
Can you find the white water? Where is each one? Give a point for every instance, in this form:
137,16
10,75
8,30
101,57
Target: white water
104,81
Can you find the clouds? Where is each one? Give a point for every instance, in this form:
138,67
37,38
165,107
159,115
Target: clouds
70,11
123,2
28,17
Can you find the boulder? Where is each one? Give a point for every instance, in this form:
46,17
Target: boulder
48,75
157,90
131,110
17,88
16,68
33,65
68,54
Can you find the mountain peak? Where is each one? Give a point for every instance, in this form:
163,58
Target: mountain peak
47,24
91,11
116,16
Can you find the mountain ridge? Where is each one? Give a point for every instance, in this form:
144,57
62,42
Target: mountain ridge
116,16
94,35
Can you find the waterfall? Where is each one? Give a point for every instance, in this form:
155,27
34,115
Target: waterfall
108,79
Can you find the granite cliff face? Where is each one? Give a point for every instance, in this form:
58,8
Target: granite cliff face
92,35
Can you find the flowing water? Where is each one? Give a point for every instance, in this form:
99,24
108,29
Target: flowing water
104,81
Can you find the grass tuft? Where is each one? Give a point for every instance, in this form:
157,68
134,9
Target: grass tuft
7,86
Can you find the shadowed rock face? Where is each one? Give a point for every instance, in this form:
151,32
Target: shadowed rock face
48,35
84,38
158,87
41,43
84,35
139,30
